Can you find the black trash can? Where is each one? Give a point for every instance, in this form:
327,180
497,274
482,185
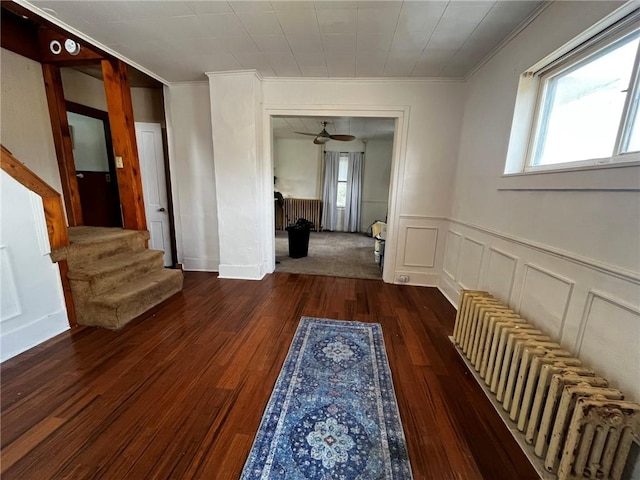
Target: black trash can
299,238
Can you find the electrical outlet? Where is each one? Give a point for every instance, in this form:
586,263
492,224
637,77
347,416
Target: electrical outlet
403,278
119,162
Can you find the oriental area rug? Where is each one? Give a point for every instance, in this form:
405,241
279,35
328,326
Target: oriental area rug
333,413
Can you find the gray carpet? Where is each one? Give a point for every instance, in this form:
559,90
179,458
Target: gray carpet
334,254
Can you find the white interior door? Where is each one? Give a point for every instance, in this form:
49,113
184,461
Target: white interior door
154,186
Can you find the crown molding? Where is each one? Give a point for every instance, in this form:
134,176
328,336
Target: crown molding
229,73
366,79
524,24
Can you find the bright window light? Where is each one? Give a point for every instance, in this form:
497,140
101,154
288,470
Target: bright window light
587,107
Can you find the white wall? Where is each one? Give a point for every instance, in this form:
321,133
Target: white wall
244,190
297,164
26,128
192,176
32,307
568,260
377,174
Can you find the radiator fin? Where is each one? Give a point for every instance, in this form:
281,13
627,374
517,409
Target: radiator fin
578,426
295,208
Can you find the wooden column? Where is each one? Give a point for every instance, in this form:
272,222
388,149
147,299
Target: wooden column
118,94
62,142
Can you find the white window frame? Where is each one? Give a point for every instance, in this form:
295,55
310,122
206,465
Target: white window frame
346,159
618,172
590,50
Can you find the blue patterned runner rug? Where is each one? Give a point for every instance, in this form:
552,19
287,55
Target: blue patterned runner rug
333,413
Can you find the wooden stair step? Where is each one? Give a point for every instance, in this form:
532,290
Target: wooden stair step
111,272
91,244
117,307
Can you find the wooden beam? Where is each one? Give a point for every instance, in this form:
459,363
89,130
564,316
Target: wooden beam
118,94
62,142
64,58
19,35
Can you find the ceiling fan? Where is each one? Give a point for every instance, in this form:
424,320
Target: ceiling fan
324,136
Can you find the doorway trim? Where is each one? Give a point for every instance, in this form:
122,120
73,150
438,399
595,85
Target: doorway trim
401,115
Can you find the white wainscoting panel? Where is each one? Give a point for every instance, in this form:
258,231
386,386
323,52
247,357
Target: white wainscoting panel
420,247
610,341
591,308
471,253
544,299
33,308
10,305
501,270
40,223
452,254
420,250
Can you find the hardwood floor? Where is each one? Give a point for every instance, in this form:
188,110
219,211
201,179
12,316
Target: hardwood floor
179,394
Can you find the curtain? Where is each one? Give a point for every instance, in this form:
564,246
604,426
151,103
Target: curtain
330,191
354,192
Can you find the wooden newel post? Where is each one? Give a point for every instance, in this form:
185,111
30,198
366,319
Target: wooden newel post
118,95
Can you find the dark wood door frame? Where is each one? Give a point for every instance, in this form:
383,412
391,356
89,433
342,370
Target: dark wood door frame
104,117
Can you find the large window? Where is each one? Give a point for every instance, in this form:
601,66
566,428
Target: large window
586,110
343,169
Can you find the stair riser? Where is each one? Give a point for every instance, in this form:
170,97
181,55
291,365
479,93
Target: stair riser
98,285
86,254
116,316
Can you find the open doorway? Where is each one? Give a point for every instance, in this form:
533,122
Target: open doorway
315,180
95,167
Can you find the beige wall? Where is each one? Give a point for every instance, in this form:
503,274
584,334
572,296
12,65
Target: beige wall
89,91
297,164
377,174
192,176
26,128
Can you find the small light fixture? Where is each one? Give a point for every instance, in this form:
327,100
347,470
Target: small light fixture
71,46
55,46
322,139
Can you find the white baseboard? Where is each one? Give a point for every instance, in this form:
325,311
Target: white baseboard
449,289
417,279
241,272
190,264
32,334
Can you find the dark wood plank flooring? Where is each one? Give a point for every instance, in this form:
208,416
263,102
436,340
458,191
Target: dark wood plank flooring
179,394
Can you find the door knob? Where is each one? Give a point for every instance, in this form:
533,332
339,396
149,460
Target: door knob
161,209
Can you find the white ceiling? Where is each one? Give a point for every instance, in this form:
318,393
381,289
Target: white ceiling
361,128
179,40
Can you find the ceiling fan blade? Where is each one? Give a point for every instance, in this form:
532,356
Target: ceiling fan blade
305,133
343,138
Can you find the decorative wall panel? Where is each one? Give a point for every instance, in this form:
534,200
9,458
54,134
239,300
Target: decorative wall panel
544,299
452,254
610,341
420,246
468,275
10,304
500,274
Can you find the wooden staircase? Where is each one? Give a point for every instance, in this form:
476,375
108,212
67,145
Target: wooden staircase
114,278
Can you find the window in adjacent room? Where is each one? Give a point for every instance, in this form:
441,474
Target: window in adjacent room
343,168
586,106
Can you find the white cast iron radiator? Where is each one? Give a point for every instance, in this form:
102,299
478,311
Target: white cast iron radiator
295,208
575,423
